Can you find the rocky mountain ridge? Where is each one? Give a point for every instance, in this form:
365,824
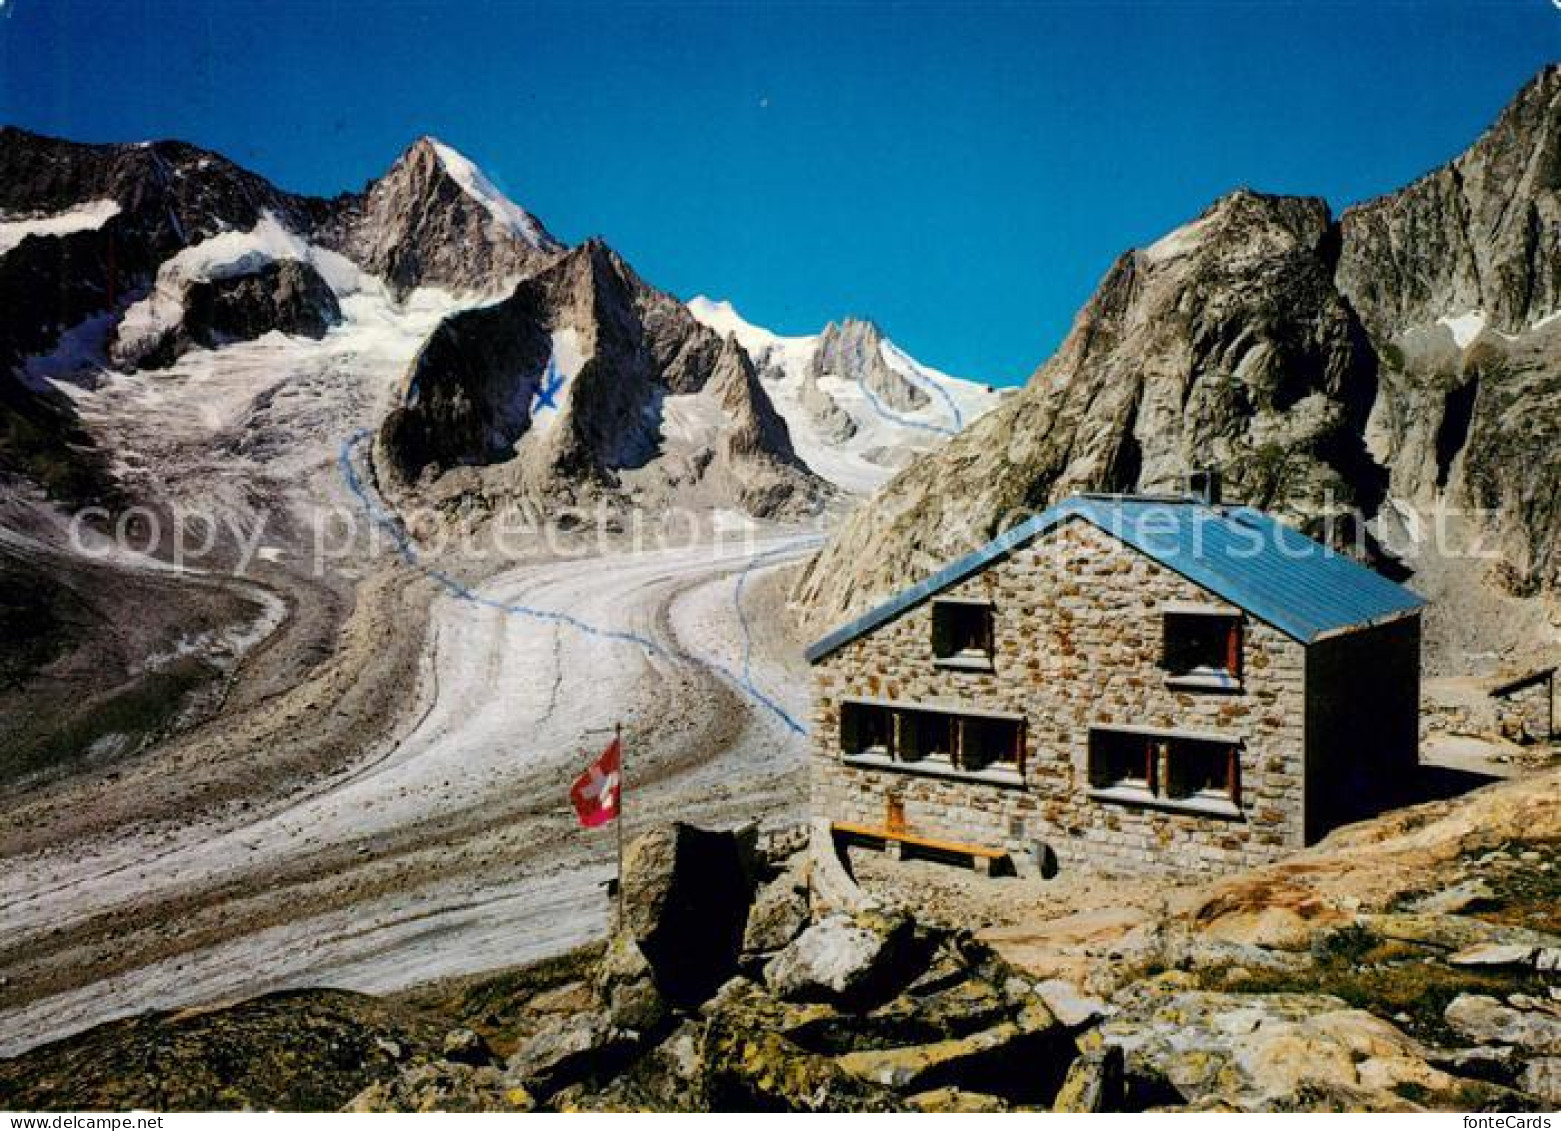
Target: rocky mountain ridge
1399,356
859,407
587,380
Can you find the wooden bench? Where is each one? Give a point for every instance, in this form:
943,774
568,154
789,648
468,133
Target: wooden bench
898,842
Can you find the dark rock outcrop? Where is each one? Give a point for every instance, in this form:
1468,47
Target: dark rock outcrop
286,295
686,892
856,346
470,397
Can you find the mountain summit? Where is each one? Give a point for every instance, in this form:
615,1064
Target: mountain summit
435,219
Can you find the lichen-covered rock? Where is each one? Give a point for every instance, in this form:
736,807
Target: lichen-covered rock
1542,1077
779,911
1488,1021
1094,1083
1269,1051
444,1086
842,958
463,1046
626,987
955,1101
569,1049
758,1071
1071,1005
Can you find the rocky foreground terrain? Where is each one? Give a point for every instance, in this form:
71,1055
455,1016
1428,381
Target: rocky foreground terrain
1408,963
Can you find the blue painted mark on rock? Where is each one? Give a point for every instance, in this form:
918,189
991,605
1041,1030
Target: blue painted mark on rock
407,550
547,391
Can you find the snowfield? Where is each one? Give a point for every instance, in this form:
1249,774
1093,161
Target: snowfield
505,212
82,218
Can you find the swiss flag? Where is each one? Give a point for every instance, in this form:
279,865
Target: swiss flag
595,792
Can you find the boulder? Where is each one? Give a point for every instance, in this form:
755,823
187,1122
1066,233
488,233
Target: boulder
780,911
444,1086
462,1046
1096,1082
759,1071
1069,1004
842,959
686,894
626,988
1453,932
1542,1078
569,1049
1022,1061
1494,954
1488,1021
832,887
910,1019
955,1101
1256,1052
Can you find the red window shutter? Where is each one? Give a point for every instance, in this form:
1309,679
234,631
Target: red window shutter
1233,647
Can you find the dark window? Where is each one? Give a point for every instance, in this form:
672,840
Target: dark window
926,734
1195,768
1120,758
1167,767
866,728
987,742
915,735
961,630
1202,644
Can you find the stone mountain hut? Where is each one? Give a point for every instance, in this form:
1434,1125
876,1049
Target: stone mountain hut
1123,682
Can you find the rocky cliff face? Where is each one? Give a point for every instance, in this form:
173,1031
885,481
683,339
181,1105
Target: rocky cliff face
435,220
855,347
1401,351
1458,278
586,381
1224,344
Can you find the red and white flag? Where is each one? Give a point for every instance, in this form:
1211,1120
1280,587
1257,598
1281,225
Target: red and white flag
595,792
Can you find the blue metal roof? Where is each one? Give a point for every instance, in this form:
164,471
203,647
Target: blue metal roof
1257,563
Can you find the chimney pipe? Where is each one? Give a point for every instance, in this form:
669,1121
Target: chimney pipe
1203,485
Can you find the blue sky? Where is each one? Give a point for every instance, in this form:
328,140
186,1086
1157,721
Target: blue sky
962,173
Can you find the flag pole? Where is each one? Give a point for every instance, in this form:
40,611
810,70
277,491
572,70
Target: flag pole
617,737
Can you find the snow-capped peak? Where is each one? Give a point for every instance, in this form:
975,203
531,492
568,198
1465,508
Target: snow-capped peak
843,429
477,186
722,317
